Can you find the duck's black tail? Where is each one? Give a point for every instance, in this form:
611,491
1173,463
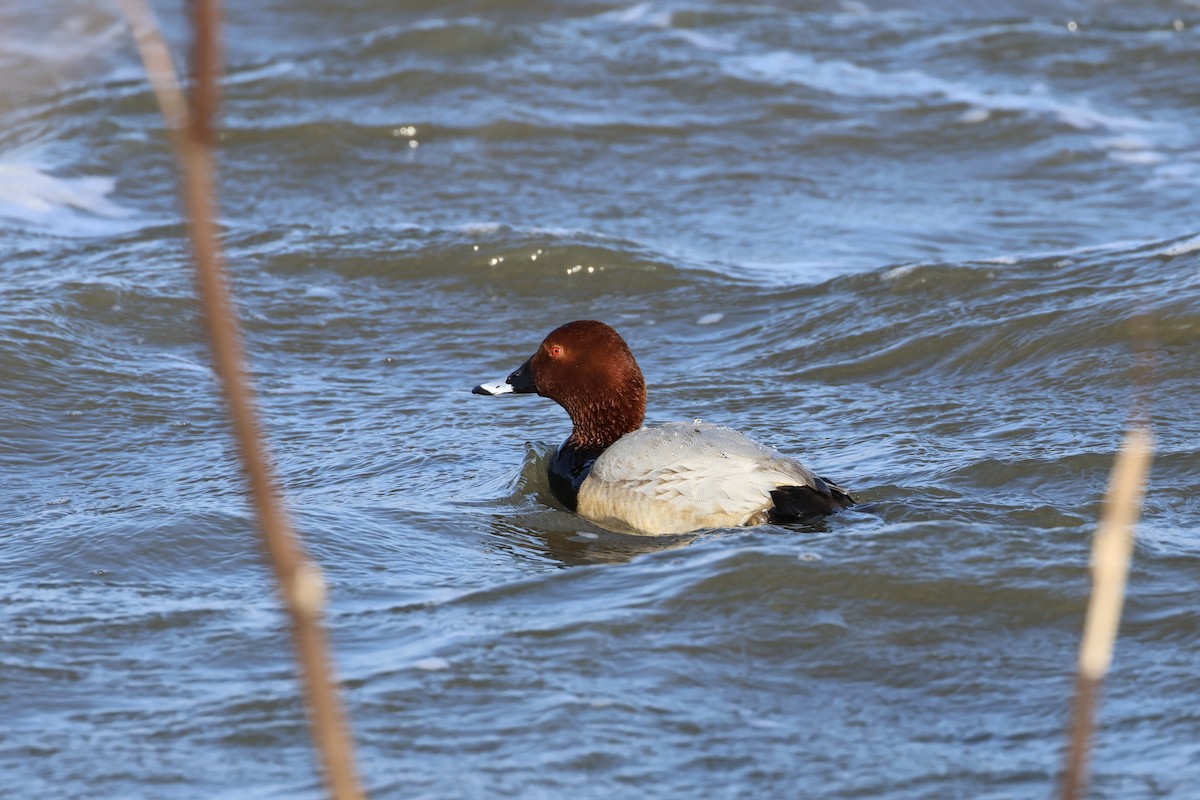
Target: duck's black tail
799,503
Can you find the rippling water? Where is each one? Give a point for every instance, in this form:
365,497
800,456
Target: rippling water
901,244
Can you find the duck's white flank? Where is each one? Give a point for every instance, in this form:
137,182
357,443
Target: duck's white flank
684,476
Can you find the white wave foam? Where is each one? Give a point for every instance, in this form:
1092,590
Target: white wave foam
1191,245
898,272
1126,143
1066,256
1145,158
647,15
74,41
703,41
791,272
481,228
431,664
642,14
64,205
846,79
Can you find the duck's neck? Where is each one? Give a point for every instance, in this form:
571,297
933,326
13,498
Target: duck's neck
594,431
598,422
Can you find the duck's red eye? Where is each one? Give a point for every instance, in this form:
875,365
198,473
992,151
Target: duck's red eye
556,350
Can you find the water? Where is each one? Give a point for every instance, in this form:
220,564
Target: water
902,245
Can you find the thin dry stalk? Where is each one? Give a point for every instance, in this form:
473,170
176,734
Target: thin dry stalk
1112,549
300,581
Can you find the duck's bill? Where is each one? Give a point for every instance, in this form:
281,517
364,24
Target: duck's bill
499,387
519,382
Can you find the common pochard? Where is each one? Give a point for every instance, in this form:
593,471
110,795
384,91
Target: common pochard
666,479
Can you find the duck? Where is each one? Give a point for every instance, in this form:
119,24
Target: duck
674,478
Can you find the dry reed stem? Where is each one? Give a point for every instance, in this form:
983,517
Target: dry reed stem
300,581
1112,550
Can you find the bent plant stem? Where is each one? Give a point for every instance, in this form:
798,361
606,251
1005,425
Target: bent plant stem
300,581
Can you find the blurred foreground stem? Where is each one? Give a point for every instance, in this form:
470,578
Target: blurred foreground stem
1112,550
300,581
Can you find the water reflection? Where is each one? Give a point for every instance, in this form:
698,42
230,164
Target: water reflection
571,541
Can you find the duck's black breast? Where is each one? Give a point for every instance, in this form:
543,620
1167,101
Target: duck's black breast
567,471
